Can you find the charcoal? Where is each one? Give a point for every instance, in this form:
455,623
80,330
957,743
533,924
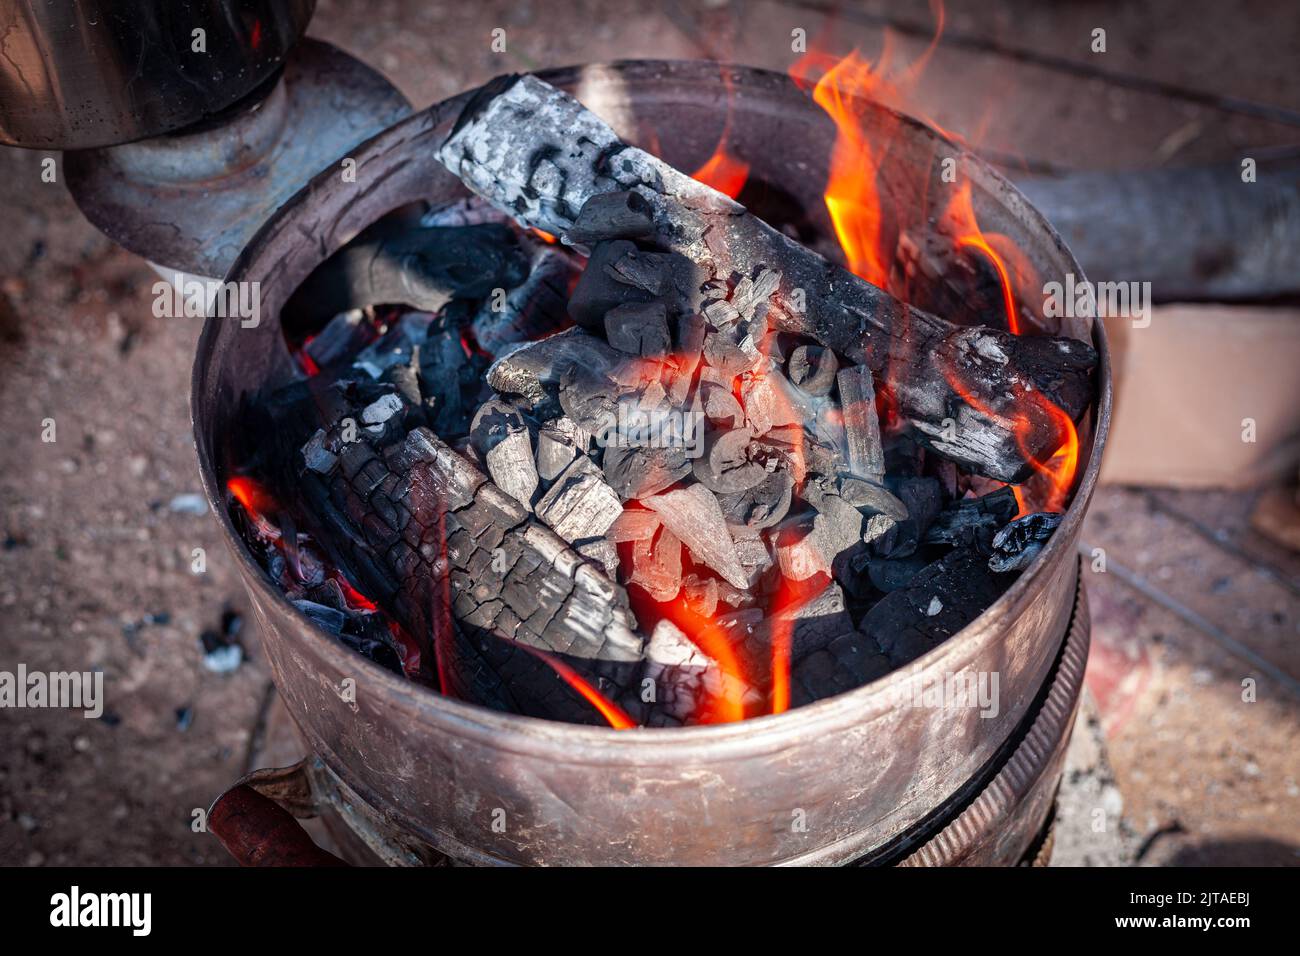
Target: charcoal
691,330
701,595
974,521
923,498
597,291
501,437
861,424
316,456
535,308
639,328
751,297
617,215
535,369
940,600
693,515
848,661
1016,545
813,369
814,623
720,406
639,471
724,467
657,565
724,354
559,442
873,497
535,152
580,505
397,345
798,553
602,552
634,524
589,398
761,506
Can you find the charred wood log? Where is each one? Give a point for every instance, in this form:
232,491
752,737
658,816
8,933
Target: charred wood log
535,152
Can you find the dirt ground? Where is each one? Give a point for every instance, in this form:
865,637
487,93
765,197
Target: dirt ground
96,562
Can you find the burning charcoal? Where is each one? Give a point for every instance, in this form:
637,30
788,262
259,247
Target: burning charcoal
580,505
752,553
691,329
500,435
533,309
693,515
837,528
558,443
721,352
974,521
1016,545
414,266
939,601
764,393
688,683
634,524
763,505
378,412
701,595
861,425
639,471
724,467
816,622
639,328
797,552
532,368
328,618
813,369
620,215
494,150
721,406
657,565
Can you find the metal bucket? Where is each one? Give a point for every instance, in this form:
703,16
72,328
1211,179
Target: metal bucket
841,779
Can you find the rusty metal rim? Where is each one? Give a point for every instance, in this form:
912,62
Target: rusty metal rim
603,745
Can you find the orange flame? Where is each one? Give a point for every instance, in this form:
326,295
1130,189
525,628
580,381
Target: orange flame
711,638
1049,486
959,219
724,172
845,90
615,715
